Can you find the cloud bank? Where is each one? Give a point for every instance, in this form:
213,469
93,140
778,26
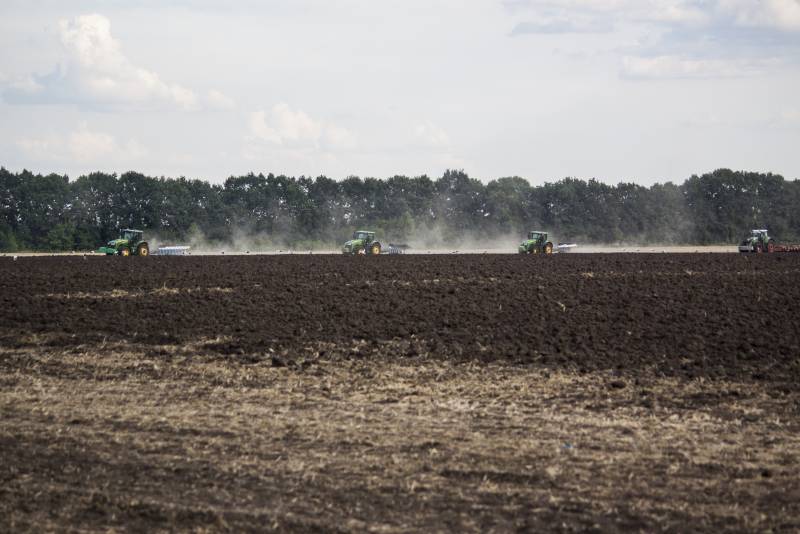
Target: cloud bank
95,73
677,39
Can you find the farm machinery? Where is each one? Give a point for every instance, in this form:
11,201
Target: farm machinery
759,241
364,242
536,243
129,243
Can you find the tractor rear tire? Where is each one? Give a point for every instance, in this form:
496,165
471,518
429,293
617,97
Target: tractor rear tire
771,246
548,248
759,248
124,251
375,249
143,250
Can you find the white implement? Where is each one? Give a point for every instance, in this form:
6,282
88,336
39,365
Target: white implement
173,251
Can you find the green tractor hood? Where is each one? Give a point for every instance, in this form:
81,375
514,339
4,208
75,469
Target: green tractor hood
353,244
113,246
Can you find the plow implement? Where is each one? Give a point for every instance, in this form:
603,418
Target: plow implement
786,248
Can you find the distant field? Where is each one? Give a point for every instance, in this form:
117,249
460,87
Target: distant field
418,392
593,249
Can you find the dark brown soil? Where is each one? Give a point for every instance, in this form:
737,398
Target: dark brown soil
394,393
692,315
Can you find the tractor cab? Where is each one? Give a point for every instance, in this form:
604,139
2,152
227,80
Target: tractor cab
366,237
132,236
537,236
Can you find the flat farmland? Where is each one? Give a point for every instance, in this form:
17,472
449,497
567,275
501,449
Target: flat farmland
482,392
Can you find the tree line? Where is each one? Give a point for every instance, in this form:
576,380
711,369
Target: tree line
53,213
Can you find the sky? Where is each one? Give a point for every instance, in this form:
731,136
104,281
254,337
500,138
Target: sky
639,91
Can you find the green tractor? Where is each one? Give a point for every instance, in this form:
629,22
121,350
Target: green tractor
363,242
758,241
536,243
129,243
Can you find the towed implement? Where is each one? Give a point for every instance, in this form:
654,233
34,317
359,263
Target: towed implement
397,248
129,243
759,241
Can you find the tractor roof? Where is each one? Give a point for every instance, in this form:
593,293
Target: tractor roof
130,230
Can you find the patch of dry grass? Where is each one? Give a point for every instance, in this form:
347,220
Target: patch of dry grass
136,293
160,436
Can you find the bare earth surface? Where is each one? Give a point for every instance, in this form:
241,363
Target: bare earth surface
645,392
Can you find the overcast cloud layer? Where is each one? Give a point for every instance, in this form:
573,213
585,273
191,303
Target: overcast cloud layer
634,90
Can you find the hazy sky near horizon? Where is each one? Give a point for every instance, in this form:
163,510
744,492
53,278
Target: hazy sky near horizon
619,90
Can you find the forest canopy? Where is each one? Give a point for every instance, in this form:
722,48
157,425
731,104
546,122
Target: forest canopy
53,213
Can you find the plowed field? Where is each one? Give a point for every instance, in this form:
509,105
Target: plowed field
395,393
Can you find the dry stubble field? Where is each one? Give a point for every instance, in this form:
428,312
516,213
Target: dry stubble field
484,392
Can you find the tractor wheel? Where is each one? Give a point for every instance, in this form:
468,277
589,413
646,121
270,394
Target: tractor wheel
142,250
375,248
771,246
548,248
759,248
124,251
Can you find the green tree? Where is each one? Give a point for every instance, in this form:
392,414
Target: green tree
61,238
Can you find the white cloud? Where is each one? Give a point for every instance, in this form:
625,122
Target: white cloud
86,146
283,126
219,100
677,39
26,85
82,145
569,16
294,128
432,135
592,16
338,137
96,72
676,67
782,14
679,13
